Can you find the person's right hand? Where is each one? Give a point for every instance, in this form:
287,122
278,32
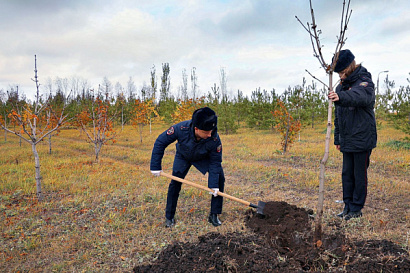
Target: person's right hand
156,173
333,96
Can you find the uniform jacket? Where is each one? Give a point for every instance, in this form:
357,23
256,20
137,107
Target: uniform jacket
205,154
355,123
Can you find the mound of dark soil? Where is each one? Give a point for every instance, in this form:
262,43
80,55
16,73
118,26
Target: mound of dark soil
282,242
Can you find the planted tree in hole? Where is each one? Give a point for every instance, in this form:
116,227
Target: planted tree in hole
314,34
97,123
34,123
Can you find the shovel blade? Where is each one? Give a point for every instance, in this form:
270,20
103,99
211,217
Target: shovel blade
261,206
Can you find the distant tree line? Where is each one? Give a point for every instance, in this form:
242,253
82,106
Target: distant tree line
306,103
99,112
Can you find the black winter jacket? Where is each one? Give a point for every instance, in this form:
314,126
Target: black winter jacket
355,123
205,154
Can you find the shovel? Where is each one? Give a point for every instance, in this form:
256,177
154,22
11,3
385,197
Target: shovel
259,208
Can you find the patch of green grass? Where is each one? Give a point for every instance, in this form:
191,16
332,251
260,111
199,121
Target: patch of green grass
399,144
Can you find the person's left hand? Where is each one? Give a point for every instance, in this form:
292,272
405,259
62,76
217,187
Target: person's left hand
333,96
215,192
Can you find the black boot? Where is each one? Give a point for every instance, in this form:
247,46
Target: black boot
214,220
169,223
343,213
353,214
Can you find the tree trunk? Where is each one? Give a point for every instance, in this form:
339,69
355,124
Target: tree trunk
313,119
318,223
97,148
287,134
122,118
409,118
5,126
49,144
140,129
38,176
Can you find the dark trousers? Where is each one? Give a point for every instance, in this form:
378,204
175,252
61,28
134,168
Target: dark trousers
354,179
180,169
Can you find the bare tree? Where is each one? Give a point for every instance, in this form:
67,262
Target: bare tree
184,86
106,87
3,114
131,89
62,85
223,81
165,82
314,34
194,82
35,124
153,83
97,123
216,94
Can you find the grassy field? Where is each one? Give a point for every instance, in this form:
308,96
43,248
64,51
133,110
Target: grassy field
109,217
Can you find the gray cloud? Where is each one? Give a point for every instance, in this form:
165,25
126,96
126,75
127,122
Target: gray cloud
260,43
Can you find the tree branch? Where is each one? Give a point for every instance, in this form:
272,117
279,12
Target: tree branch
316,78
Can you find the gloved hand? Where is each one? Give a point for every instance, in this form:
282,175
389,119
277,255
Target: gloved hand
156,173
214,192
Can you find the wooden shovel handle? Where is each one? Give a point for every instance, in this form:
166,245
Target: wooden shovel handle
205,188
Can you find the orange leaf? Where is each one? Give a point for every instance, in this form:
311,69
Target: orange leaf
319,243
123,258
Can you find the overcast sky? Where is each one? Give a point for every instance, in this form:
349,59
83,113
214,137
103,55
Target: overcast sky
259,43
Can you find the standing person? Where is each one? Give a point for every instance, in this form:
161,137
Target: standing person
355,130
199,145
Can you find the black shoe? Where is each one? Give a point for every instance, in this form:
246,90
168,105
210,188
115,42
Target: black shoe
343,213
214,220
169,223
353,214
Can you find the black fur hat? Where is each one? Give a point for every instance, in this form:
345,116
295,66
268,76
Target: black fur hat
346,57
204,119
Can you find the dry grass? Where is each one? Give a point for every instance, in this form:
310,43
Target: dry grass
108,217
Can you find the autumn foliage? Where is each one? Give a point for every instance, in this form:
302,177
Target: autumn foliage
185,108
24,120
142,113
287,126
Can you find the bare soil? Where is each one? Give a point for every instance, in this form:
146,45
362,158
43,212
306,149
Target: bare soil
282,241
